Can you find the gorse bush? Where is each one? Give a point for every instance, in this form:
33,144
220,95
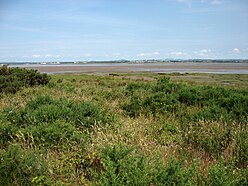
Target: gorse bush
241,150
215,103
122,166
44,109
56,133
225,174
19,166
212,137
52,121
211,119
12,79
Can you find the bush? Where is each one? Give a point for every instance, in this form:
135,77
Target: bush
44,109
241,148
51,121
214,103
121,166
19,166
13,79
7,133
226,174
56,134
211,137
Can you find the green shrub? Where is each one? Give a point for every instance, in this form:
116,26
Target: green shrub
213,113
7,133
13,79
56,134
133,87
53,122
134,107
226,174
161,103
241,147
166,97
44,109
121,166
19,166
211,137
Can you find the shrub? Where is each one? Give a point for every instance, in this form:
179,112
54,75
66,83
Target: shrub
134,107
7,133
19,166
121,166
12,79
226,174
241,148
45,109
55,134
53,122
213,103
211,137
161,103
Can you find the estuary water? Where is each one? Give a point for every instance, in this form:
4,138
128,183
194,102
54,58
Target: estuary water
178,67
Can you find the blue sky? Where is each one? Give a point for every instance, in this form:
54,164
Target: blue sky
68,30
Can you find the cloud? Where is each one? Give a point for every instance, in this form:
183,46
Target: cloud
203,52
48,55
179,54
183,1
236,51
87,55
36,56
148,54
216,2
116,54
213,2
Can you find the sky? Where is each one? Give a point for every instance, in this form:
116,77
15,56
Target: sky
74,30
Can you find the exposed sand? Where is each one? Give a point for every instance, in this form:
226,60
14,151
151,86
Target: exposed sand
223,68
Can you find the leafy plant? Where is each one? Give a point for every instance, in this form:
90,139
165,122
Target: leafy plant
13,79
19,166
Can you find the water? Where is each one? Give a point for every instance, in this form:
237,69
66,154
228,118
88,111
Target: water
179,67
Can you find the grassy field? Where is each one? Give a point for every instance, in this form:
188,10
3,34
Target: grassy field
126,129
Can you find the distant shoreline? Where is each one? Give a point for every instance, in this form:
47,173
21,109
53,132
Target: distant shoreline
180,67
138,61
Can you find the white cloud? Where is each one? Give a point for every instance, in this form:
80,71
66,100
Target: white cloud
182,1
185,1
48,55
236,51
149,54
179,54
213,2
87,55
216,2
36,56
116,54
203,52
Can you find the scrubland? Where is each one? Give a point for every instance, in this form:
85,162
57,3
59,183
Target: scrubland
124,129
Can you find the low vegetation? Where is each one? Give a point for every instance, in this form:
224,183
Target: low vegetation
130,129
13,79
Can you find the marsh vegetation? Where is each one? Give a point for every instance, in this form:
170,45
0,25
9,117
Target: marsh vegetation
130,129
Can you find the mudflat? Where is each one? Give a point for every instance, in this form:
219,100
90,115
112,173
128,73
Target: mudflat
182,67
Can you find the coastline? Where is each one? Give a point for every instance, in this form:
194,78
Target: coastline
180,67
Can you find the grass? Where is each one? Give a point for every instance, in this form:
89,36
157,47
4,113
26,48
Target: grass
130,129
